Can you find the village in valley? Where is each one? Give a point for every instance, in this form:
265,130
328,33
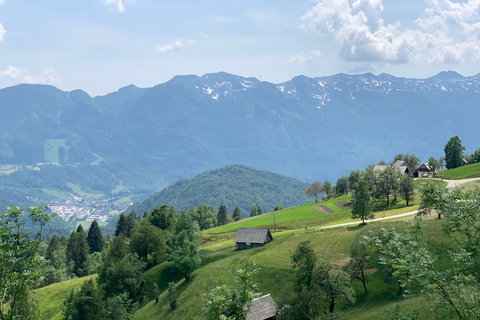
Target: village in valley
87,209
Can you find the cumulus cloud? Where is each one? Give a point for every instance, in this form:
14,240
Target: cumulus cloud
175,46
303,57
48,76
118,5
446,31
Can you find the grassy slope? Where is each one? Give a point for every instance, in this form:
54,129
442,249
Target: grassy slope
51,297
220,260
464,172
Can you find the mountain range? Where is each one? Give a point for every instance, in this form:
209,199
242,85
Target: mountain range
136,141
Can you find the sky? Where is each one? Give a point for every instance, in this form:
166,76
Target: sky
100,46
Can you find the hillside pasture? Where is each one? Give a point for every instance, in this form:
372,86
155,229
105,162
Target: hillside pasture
463,172
51,298
51,150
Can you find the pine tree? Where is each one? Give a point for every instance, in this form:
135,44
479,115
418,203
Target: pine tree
222,215
94,237
77,251
237,214
121,226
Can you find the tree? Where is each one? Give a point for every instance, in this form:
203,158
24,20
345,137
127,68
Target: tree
358,264
205,216
182,243
434,164
278,207
123,276
255,211
406,188
77,251
388,180
172,295
342,185
454,153
237,214
19,259
335,285
316,288
85,304
314,190
120,307
275,219
148,242
222,215
162,217
94,237
121,225
327,187
474,157
353,179
362,204
411,159
233,301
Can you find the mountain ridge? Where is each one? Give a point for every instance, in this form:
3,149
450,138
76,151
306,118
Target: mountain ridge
307,128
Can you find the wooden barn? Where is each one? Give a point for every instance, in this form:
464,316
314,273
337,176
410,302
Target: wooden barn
422,171
263,308
251,237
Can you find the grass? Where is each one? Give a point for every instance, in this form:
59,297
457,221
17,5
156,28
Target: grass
57,194
86,224
419,183
51,150
220,260
464,172
78,191
51,297
97,161
287,219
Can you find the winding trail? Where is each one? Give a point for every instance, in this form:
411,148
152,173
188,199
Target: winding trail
450,184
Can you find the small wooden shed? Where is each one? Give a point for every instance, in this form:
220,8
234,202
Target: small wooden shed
251,237
263,308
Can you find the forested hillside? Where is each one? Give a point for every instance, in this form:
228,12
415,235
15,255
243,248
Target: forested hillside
232,186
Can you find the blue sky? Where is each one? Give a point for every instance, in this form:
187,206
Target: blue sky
102,45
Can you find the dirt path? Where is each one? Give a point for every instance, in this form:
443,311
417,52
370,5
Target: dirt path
450,184
456,183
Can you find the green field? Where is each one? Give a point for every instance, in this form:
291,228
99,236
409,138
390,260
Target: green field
57,194
464,172
97,161
81,193
51,150
51,297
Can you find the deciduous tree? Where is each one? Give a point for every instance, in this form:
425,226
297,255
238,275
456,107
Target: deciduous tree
314,190
406,188
454,153
20,264
362,204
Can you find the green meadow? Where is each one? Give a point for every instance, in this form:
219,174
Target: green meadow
464,172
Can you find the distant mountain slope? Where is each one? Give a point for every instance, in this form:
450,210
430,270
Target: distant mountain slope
233,186
137,141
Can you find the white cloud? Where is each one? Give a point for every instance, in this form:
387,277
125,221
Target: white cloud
48,76
446,32
303,57
175,46
2,2
2,32
118,5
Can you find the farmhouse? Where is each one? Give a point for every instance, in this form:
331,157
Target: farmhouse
400,165
252,237
422,171
263,308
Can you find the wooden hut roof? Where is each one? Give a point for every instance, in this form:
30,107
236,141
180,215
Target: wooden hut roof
252,235
262,308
